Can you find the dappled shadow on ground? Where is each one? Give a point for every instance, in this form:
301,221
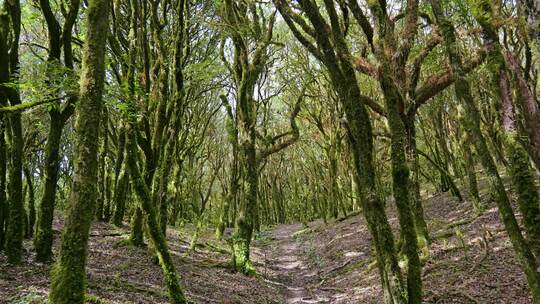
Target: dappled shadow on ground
470,261
126,274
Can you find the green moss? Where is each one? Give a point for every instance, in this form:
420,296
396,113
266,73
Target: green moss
400,178
68,275
240,247
15,227
93,299
44,234
176,294
497,189
482,11
136,237
523,179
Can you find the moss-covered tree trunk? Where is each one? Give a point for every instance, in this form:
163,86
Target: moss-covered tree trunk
332,180
529,103
523,179
120,180
416,200
522,174
395,103
119,197
232,196
160,197
30,203
3,196
361,140
250,58
243,228
400,186
15,228
139,182
68,277
463,93
470,169
136,235
102,167
11,23
59,38
44,233
176,294
4,77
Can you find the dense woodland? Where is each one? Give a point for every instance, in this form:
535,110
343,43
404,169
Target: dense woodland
185,131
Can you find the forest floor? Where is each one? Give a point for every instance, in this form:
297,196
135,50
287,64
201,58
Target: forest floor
470,261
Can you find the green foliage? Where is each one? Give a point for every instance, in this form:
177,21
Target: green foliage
482,11
29,298
40,79
93,299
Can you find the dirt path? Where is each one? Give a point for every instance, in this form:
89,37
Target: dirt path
286,266
325,264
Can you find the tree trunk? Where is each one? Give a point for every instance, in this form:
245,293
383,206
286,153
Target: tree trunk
463,93
15,225
119,197
163,180
140,182
521,172
531,109
176,295
471,174
244,224
3,196
400,178
360,136
15,229
416,201
136,237
44,233
69,275
120,181
31,205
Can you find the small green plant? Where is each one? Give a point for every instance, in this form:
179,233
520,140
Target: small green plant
29,298
92,299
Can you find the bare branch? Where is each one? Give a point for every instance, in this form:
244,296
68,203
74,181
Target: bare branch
294,132
27,105
436,83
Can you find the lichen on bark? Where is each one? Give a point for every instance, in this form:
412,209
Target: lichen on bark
68,276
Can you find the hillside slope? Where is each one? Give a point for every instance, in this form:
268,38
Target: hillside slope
470,261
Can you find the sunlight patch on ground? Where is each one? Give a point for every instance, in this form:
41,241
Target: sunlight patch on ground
352,254
365,290
291,265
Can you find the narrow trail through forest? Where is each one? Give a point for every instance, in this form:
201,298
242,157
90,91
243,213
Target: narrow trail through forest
471,261
285,264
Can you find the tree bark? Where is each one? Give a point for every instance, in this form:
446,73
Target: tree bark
44,236
69,274
140,182
416,200
44,233
11,23
31,206
3,195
